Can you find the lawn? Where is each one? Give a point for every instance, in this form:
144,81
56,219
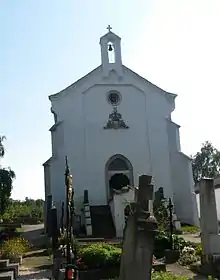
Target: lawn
37,259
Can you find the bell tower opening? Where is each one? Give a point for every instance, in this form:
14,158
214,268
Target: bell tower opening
111,52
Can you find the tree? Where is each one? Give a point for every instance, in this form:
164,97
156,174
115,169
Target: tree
206,163
29,211
6,180
2,149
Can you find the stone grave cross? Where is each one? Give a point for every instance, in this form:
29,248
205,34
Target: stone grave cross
138,245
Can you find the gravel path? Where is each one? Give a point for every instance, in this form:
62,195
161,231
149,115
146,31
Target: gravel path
194,237
182,271
34,274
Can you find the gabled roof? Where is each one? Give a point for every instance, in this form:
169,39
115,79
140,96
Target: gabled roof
47,161
87,76
53,127
149,83
75,83
110,35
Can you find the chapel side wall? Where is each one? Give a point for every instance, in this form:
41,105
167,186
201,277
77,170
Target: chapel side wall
47,189
70,112
57,183
182,180
185,198
57,167
174,148
159,143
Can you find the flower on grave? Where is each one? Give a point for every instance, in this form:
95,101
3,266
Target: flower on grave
154,260
189,250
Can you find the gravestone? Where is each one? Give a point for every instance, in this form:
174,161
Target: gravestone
159,196
139,233
62,219
210,237
86,197
54,226
208,215
49,204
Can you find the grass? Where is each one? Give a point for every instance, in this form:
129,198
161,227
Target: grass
20,230
40,262
38,259
164,276
190,229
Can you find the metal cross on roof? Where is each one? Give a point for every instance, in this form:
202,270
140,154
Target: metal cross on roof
109,28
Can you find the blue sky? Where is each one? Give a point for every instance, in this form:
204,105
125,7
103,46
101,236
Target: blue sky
47,45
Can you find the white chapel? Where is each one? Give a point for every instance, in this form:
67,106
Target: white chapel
115,125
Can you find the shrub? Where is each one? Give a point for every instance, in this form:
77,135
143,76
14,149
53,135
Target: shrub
179,242
12,249
161,213
99,255
190,229
199,250
94,256
114,257
167,276
162,241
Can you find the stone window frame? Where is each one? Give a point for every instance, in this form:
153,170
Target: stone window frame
114,92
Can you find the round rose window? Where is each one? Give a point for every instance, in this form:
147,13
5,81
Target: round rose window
114,98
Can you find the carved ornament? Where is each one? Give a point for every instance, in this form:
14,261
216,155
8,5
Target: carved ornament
115,121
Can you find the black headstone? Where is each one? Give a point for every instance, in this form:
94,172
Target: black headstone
49,203
54,227
86,197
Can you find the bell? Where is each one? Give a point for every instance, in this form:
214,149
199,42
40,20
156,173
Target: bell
110,48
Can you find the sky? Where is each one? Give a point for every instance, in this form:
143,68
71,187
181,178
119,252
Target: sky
47,45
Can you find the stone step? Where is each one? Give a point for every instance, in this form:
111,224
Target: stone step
159,266
7,275
14,267
92,239
4,263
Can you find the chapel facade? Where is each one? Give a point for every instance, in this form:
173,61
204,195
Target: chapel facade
115,125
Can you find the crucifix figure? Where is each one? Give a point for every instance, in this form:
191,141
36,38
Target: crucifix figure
109,28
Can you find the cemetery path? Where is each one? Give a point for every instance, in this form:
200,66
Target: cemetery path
182,271
33,233
194,237
34,274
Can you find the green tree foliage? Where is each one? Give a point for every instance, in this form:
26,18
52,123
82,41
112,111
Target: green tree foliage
6,180
206,163
29,211
161,214
2,148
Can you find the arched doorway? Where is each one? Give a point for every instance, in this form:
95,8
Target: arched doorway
118,181
119,173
